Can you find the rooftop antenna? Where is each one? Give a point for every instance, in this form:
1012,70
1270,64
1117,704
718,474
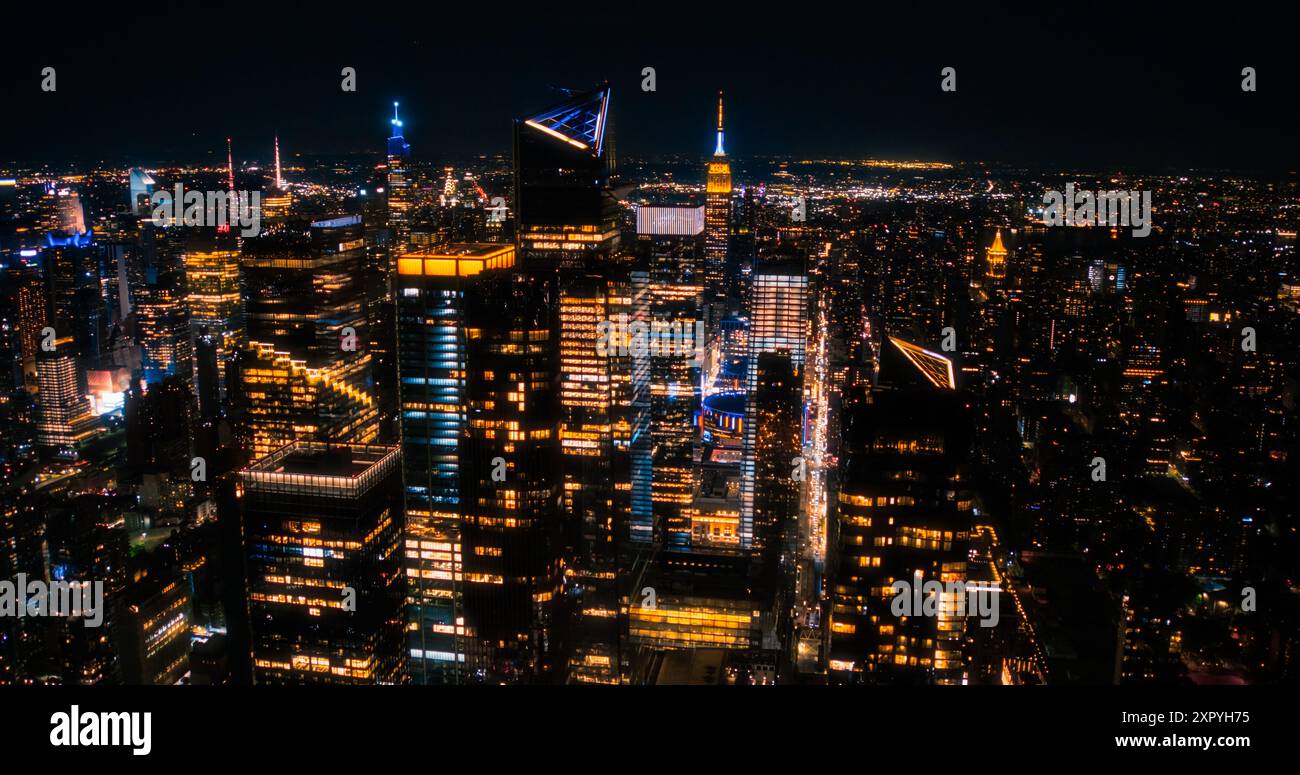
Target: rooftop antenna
230,166
718,151
279,181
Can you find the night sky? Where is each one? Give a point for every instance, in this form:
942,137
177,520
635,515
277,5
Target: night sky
1103,85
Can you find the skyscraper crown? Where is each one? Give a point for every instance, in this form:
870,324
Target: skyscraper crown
580,121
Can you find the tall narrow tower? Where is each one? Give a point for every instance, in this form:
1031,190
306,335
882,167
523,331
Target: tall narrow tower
778,316
230,166
279,181
717,217
399,191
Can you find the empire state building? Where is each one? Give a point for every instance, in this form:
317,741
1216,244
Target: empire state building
717,217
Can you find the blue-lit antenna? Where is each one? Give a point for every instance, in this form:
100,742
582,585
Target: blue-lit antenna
396,122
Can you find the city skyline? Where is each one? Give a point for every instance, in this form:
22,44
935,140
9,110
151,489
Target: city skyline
675,387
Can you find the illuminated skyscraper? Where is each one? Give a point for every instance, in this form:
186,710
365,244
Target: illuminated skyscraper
65,420
592,377
717,217
64,214
640,529
675,356
33,317
778,324
904,507
997,258
161,314
323,531
431,350
276,201
306,371
141,187
214,294
597,425
567,214
669,247
477,356
398,188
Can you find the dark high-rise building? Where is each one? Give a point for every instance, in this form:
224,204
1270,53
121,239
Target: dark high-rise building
11,352
85,542
511,481
323,531
22,550
152,632
566,211
778,465
158,432
904,507
207,375
568,218
76,303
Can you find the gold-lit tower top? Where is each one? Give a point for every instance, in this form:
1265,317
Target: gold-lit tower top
997,257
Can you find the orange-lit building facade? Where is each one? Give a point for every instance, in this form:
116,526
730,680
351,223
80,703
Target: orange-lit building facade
322,533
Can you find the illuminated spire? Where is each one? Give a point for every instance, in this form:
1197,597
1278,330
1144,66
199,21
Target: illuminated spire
997,257
397,145
718,151
279,181
230,166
